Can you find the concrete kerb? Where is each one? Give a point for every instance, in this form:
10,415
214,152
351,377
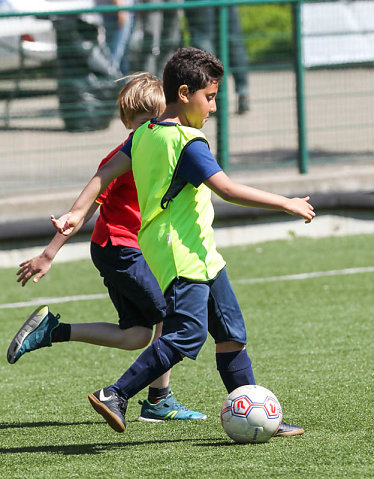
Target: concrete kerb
343,197
322,179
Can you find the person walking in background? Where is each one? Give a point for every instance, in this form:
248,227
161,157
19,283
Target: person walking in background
204,34
157,35
118,30
86,75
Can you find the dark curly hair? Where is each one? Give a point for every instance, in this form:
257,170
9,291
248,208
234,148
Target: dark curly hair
192,67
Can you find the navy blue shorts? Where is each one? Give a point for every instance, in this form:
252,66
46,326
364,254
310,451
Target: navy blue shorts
132,287
195,308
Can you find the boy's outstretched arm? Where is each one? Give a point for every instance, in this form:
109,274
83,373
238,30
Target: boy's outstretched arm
39,265
244,195
115,167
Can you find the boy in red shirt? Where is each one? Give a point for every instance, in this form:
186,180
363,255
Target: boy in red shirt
115,252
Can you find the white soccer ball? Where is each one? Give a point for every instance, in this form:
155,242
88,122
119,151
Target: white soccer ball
251,413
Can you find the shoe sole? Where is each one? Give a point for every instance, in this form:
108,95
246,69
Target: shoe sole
296,432
146,419
111,418
29,326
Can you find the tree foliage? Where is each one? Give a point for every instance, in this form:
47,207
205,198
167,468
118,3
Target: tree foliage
267,32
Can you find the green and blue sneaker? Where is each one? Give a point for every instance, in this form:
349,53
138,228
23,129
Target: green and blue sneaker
167,409
34,334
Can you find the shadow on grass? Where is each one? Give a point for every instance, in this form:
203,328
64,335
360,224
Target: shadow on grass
99,448
22,425
95,448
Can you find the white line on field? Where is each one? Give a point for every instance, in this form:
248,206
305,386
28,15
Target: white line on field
289,277
63,299
316,274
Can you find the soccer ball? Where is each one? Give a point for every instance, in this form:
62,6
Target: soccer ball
251,413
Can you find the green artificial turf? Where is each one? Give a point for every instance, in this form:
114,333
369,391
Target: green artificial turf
310,340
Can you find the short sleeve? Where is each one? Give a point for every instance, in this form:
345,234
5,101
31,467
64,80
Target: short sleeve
198,164
126,148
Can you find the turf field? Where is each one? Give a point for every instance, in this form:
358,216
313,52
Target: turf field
310,340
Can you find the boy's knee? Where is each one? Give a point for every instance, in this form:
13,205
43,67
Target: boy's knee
146,337
144,341
167,354
158,331
137,337
229,347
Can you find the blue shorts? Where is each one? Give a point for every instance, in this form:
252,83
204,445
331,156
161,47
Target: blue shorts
132,287
196,308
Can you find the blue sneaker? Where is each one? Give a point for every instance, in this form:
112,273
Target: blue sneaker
167,409
34,334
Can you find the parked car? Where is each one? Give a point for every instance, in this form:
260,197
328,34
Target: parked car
30,41
70,49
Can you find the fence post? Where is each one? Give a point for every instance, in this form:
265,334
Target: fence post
300,92
223,111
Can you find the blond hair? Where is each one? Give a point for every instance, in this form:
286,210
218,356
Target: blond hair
142,93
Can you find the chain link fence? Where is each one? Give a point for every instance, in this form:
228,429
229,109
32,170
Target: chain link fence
58,114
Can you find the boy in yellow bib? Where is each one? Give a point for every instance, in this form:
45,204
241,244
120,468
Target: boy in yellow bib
174,173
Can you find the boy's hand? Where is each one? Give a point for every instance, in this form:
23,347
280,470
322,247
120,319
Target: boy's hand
300,207
65,224
38,266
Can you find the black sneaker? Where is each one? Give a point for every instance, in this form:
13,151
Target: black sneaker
111,406
289,430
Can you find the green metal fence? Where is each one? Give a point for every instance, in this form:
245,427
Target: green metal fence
294,116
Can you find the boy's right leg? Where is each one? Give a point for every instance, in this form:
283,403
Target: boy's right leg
161,404
139,301
111,402
43,328
184,333
111,335
35,333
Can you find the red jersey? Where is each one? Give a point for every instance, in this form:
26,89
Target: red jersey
119,217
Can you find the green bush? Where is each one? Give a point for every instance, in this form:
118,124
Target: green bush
267,33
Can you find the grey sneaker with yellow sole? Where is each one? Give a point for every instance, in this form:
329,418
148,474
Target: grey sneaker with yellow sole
286,430
34,334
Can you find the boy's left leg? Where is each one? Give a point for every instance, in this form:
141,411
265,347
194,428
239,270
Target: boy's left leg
226,325
234,365
236,370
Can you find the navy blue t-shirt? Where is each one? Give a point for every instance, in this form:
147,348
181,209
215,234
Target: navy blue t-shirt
197,165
